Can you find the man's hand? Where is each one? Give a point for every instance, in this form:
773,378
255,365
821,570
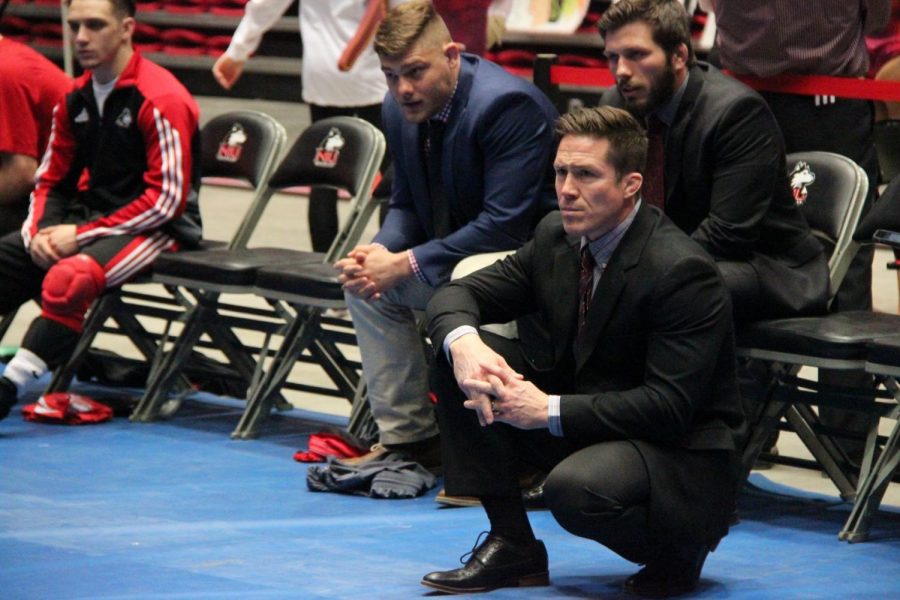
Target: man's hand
370,270
351,273
42,252
473,361
52,244
227,71
63,239
515,401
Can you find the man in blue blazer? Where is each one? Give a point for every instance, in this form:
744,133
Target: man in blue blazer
472,147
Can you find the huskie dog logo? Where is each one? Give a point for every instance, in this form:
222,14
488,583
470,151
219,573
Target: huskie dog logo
801,178
231,147
329,149
124,118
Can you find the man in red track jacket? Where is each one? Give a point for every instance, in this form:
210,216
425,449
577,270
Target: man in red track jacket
118,187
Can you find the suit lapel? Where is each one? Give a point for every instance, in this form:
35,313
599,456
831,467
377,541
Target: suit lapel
565,281
615,278
675,138
467,69
412,136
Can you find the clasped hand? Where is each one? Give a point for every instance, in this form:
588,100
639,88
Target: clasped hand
494,390
370,270
53,243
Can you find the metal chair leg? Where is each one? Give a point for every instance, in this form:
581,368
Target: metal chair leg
163,377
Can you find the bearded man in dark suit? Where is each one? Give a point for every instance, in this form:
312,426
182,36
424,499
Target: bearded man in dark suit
721,173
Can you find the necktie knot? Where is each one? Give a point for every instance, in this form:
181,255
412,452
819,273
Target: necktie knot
655,125
587,259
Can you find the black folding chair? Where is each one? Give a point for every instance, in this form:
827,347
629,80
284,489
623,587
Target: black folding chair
836,341
882,225
340,152
238,147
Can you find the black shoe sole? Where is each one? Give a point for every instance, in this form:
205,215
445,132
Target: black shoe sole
534,580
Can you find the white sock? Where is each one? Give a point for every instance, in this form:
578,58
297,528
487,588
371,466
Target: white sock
25,367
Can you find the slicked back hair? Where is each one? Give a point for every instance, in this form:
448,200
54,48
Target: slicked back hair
627,151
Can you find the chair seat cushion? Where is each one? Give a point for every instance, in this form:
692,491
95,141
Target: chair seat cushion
224,267
841,335
886,350
307,280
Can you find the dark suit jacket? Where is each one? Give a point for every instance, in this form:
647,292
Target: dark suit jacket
657,362
497,174
727,186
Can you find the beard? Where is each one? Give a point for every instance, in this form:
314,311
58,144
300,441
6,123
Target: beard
662,88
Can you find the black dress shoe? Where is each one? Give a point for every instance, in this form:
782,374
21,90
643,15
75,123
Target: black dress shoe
494,564
671,576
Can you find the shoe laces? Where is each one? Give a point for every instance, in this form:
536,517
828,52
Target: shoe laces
468,555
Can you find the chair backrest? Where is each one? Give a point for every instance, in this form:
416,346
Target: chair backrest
338,152
831,190
242,145
887,145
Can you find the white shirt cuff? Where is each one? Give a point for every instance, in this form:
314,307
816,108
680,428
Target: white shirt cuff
455,335
554,421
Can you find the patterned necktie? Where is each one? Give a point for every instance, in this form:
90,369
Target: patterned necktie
654,188
585,285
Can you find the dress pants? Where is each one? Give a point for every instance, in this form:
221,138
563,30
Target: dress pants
637,498
742,282
393,359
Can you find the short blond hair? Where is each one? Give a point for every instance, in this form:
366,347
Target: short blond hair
405,25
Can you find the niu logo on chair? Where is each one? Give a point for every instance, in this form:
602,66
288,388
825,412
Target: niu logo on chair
329,150
231,147
802,177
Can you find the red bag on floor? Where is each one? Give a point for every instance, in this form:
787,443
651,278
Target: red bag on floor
67,409
327,444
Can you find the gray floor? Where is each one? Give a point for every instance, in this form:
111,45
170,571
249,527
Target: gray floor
285,225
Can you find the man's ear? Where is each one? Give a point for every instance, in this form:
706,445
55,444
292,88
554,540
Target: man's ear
451,51
680,56
633,182
128,25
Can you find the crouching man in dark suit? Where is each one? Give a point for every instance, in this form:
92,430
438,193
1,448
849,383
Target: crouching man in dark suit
637,415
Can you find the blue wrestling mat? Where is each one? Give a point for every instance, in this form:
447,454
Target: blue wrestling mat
178,510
